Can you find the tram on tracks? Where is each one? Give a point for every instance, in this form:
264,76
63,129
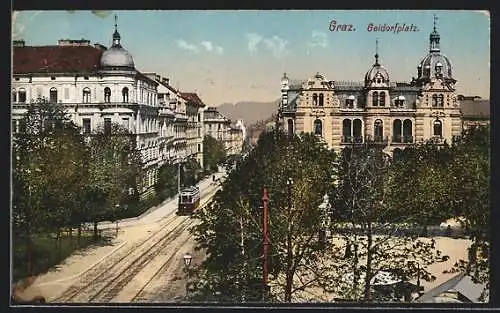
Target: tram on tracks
189,200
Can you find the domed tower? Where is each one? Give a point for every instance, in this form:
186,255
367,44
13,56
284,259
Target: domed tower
377,84
439,116
435,64
116,58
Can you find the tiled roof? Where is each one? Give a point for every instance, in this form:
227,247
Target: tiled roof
55,59
192,98
475,108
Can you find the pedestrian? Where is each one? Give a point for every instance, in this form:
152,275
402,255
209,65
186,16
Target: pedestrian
213,177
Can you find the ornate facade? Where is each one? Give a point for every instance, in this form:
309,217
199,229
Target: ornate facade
377,111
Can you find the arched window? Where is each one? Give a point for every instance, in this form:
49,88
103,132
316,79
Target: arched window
434,100
86,95
378,130
396,131
125,94
107,95
14,95
290,128
407,131
53,95
356,130
346,130
318,128
349,102
382,99
321,99
315,99
441,100
22,95
375,99
438,128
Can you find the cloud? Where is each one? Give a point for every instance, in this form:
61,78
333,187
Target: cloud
275,44
209,46
253,40
319,39
186,46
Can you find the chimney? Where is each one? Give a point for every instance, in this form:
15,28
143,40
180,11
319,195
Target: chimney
74,42
165,80
19,43
99,46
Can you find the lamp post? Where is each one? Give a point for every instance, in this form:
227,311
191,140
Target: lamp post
187,262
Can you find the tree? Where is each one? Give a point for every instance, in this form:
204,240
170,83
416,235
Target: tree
192,172
115,169
374,233
231,227
214,154
49,160
166,185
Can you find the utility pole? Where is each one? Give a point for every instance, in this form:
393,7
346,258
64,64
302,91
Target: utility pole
265,198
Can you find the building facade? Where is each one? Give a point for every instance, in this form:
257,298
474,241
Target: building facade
377,110
220,127
101,86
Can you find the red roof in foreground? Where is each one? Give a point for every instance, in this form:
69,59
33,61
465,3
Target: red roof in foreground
55,59
193,98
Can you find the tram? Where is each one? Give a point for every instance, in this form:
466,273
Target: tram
189,200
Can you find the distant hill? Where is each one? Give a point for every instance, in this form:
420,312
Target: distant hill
249,111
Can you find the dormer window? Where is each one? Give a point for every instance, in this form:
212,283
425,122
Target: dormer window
349,102
315,99
399,102
375,98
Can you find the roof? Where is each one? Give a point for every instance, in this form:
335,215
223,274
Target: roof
475,108
192,98
55,59
145,77
211,113
460,283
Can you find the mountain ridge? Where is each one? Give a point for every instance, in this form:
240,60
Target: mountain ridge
249,111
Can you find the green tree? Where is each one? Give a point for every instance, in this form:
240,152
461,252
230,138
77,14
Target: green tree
214,153
376,236
166,185
115,169
231,227
192,172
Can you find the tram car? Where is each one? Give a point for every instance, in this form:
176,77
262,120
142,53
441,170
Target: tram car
189,200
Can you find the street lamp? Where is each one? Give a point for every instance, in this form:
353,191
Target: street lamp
187,262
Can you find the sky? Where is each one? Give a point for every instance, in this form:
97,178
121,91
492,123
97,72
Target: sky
236,55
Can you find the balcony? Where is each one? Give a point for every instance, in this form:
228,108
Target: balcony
377,140
351,139
402,139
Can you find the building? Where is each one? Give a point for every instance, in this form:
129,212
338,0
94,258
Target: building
376,111
194,129
221,128
100,86
475,111
459,289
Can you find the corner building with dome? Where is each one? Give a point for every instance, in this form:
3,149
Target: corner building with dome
377,111
100,87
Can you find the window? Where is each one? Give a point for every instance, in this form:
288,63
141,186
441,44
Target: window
382,99
440,101
125,94
66,93
86,77
199,147
407,131
315,99
396,131
318,129
375,99
199,117
438,128
53,95
22,95
434,100
379,130
14,126
356,130
22,126
399,102
346,130
107,95
86,95
107,126
14,96
290,128
86,125
52,77
321,100
349,103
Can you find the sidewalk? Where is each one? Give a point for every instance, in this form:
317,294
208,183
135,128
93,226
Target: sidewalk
51,284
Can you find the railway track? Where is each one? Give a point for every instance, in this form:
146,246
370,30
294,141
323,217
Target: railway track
94,276
104,281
